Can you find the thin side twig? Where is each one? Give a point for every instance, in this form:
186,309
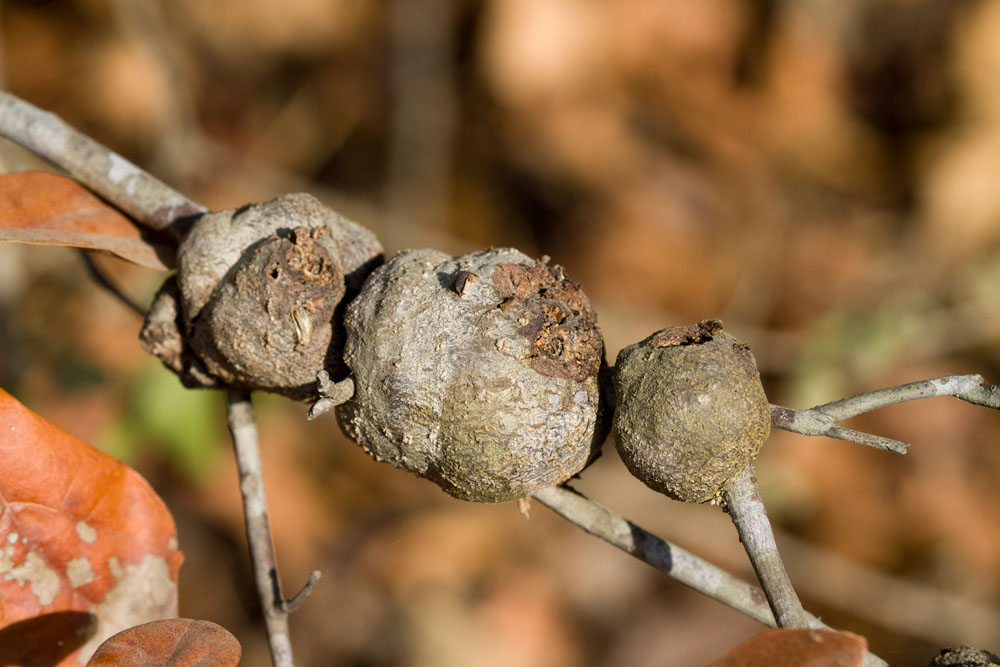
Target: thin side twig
669,558
970,388
98,276
275,607
822,419
810,422
145,198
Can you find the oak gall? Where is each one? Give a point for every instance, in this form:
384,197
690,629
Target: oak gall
479,373
690,410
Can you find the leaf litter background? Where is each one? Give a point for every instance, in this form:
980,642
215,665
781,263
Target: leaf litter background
819,175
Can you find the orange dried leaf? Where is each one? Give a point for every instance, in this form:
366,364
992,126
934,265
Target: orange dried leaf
79,531
797,648
38,207
179,642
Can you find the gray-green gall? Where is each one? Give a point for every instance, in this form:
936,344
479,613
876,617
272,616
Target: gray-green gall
690,410
479,373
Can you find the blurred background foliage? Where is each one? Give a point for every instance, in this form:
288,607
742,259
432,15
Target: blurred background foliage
820,175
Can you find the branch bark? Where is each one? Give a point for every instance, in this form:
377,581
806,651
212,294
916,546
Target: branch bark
265,568
822,419
666,557
746,509
148,200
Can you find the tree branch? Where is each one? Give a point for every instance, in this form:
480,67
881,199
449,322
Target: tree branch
970,388
746,509
265,569
148,200
670,559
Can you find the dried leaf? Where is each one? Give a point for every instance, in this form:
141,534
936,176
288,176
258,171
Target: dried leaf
178,642
46,639
38,207
79,531
797,648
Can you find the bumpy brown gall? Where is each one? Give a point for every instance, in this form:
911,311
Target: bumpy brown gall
690,410
258,295
269,324
479,373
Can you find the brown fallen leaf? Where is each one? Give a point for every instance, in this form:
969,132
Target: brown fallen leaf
177,642
797,648
43,208
79,531
46,639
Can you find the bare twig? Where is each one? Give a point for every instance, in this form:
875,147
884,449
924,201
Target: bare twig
276,608
970,388
747,511
105,282
810,422
674,561
822,419
682,565
146,199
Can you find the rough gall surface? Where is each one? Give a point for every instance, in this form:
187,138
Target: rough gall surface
479,373
258,297
690,410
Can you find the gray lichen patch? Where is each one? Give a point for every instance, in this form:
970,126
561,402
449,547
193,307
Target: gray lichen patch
258,295
690,412
458,377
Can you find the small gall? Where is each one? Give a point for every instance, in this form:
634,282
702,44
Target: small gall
691,411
